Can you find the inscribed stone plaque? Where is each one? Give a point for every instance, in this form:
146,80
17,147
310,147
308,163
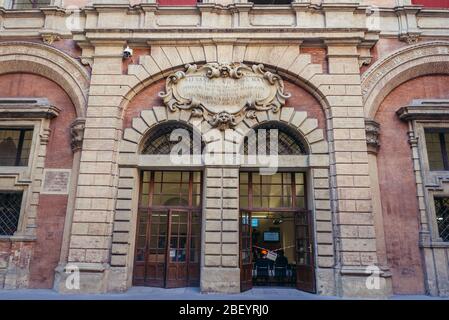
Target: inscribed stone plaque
56,181
224,93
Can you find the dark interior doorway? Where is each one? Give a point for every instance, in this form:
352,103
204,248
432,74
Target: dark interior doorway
276,236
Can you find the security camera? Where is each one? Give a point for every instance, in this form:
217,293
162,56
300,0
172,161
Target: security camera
127,52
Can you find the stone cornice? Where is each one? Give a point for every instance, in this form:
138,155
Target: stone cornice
265,36
437,109
299,21
26,108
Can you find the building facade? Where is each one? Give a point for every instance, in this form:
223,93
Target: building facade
358,95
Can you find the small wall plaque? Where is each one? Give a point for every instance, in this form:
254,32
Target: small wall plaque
56,181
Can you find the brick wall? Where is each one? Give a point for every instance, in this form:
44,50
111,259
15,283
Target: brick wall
52,208
432,3
398,185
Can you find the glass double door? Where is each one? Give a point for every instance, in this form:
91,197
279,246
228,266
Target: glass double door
168,248
168,236
295,262
276,236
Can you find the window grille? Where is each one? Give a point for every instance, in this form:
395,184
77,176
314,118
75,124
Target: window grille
10,203
30,4
289,142
442,215
161,141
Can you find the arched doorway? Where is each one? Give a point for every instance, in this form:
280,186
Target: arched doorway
276,234
168,235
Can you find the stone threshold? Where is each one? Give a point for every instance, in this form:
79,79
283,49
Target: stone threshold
148,293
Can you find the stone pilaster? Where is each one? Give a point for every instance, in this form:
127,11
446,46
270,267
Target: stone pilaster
220,270
353,208
91,230
372,129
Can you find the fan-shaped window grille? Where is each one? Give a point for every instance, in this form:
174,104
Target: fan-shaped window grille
165,137
289,142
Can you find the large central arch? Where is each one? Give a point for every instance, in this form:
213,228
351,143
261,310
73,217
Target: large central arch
130,162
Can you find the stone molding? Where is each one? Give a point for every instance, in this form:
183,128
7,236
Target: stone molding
436,109
403,22
133,137
46,61
24,108
404,64
285,60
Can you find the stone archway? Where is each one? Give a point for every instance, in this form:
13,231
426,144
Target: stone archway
129,163
67,76
51,63
386,75
405,64
221,273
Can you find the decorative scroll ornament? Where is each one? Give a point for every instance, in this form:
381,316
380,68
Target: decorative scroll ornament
224,93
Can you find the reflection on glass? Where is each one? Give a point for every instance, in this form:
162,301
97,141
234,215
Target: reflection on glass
257,202
271,191
196,188
244,202
300,202
243,189
158,176
300,190
299,178
172,176
170,188
197,177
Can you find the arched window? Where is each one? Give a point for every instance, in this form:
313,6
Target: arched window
165,137
289,141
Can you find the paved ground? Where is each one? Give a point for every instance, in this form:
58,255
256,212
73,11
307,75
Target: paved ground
144,293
